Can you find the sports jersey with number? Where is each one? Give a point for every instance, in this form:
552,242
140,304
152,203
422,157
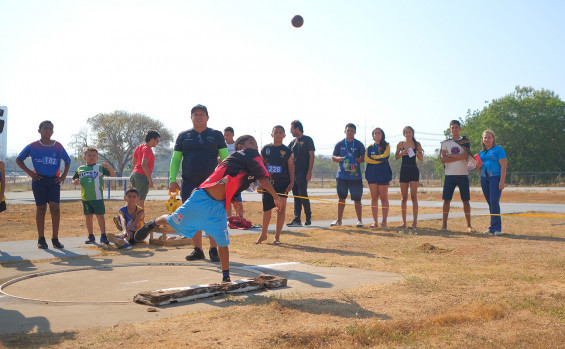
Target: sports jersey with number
91,181
276,161
46,158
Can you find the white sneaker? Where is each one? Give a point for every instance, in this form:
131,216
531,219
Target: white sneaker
335,224
488,232
497,233
359,224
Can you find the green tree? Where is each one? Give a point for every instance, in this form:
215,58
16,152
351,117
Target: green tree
529,124
117,134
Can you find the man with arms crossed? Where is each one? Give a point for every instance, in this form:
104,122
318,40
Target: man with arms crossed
454,153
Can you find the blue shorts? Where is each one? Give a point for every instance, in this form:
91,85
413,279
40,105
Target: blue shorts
355,187
46,190
452,181
201,212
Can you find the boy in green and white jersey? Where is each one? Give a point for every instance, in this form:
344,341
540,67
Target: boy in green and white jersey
91,179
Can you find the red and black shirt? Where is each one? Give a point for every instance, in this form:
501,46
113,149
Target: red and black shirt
237,171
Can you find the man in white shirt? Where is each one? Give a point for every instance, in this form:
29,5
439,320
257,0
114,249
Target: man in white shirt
454,153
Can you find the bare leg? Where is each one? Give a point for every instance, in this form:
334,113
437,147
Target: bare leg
89,224
55,211
197,239
359,210
403,205
375,203
467,209
212,241
266,220
224,254
340,209
414,197
101,223
40,220
162,220
383,194
280,219
446,205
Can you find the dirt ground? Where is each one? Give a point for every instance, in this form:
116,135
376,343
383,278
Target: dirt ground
460,290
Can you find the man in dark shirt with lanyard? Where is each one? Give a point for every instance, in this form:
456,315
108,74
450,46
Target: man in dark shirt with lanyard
198,148
303,150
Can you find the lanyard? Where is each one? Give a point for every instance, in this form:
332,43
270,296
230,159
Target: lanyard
352,146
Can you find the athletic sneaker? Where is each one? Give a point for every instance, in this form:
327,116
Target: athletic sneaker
226,279
213,252
41,243
91,240
294,223
125,246
104,239
143,232
488,232
195,255
335,224
308,221
56,243
497,233
116,240
359,224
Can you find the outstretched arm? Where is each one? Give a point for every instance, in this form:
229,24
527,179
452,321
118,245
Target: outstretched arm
267,185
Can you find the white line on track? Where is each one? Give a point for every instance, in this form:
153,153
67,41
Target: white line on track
268,265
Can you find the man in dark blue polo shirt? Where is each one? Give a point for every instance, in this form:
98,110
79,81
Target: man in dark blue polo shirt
198,148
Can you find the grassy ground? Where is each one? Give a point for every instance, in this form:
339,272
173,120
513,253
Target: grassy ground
460,290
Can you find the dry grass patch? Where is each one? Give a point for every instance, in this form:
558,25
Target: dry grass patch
460,290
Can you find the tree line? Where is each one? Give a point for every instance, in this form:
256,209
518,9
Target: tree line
528,123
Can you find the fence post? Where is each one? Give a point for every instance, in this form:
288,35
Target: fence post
108,189
125,186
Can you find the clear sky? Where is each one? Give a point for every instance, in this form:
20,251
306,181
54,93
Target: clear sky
373,63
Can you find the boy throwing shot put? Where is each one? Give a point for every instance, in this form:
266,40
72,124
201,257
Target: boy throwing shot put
279,162
91,179
206,207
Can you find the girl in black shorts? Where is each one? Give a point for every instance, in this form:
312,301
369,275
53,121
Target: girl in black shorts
409,150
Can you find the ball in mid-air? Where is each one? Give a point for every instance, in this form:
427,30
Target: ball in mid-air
297,21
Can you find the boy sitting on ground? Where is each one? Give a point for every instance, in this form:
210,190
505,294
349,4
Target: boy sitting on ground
206,207
129,219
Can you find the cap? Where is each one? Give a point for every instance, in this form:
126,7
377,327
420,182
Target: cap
198,106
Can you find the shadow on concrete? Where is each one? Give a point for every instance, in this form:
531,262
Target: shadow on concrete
16,262
21,338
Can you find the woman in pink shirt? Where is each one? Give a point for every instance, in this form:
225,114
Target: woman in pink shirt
143,163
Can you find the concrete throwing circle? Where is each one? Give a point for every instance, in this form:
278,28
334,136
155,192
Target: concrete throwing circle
114,283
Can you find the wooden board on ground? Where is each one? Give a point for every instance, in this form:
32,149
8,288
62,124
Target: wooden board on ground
163,240
185,294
